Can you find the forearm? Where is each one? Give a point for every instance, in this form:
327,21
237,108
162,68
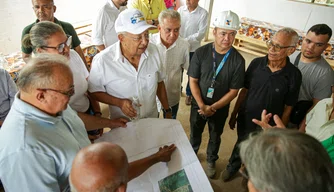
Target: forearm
240,100
106,98
100,47
196,92
162,95
95,104
286,115
94,122
226,99
138,167
79,51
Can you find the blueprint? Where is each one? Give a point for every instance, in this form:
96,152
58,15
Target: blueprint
143,138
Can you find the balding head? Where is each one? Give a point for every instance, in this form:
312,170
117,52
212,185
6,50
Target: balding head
99,167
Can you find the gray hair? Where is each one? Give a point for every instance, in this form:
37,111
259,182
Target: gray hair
280,160
290,32
40,33
38,73
170,14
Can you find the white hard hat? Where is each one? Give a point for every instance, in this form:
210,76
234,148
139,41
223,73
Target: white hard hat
227,20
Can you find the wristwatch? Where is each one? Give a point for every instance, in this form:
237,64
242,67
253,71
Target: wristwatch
169,110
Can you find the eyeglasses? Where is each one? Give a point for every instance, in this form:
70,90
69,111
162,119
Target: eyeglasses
244,173
223,34
277,47
68,93
61,47
47,6
139,38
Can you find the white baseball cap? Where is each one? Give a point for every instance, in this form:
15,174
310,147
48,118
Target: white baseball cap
131,21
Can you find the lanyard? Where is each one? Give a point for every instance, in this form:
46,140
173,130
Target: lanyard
215,72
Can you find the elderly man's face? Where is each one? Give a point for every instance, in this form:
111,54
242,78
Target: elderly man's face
121,2
135,45
313,45
58,43
169,30
224,38
44,9
284,41
192,3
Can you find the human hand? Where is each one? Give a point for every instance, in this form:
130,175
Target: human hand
232,121
168,115
127,109
206,111
264,123
164,154
119,122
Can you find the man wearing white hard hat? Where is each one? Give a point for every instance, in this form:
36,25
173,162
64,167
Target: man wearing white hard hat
216,73
271,83
130,69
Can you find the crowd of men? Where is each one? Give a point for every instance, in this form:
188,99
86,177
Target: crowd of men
43,139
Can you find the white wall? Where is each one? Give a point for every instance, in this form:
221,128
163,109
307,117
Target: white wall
281,12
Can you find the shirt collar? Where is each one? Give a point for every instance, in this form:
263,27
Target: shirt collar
33,112
54,18
266,67
111,3
186,9
119,56
160,42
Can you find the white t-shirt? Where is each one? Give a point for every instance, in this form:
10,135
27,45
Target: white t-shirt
79,101
174,59
112,73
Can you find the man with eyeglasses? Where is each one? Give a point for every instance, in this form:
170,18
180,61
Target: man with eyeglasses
44,10
318,76
271,83
42,133
131,68
174,52
216,73
103,31
194,23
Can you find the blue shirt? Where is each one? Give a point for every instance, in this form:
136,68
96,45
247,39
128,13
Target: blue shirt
37,150
7,93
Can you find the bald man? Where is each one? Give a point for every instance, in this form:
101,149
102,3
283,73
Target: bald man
104,167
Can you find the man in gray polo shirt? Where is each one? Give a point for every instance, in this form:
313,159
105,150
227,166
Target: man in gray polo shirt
318,76
7,93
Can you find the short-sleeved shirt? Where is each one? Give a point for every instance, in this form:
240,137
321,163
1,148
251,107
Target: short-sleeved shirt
103,31
150,9
79,101
37,150
113,74
67,27
7,92
174,59
318,77
270,90
231,75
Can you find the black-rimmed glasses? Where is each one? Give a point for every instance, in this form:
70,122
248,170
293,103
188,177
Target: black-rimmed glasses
68,93
277,47
61,47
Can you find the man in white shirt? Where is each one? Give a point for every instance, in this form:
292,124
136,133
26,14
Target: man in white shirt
174,52
130,68
103,31
194,22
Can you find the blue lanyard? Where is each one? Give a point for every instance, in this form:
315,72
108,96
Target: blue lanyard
215,72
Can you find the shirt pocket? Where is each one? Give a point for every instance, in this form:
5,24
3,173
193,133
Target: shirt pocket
149,82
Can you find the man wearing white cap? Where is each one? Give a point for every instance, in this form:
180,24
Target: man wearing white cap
130,69
216,73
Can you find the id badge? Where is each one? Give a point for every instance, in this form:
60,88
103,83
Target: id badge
210,92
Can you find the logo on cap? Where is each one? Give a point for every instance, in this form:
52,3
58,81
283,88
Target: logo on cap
137,17
228,22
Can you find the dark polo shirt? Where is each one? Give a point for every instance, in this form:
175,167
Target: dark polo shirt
270,90
67,27
231,75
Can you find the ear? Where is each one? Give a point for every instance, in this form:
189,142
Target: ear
40,96
159,27
214,32
121,188
39,50
54,9
291,50
120,37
